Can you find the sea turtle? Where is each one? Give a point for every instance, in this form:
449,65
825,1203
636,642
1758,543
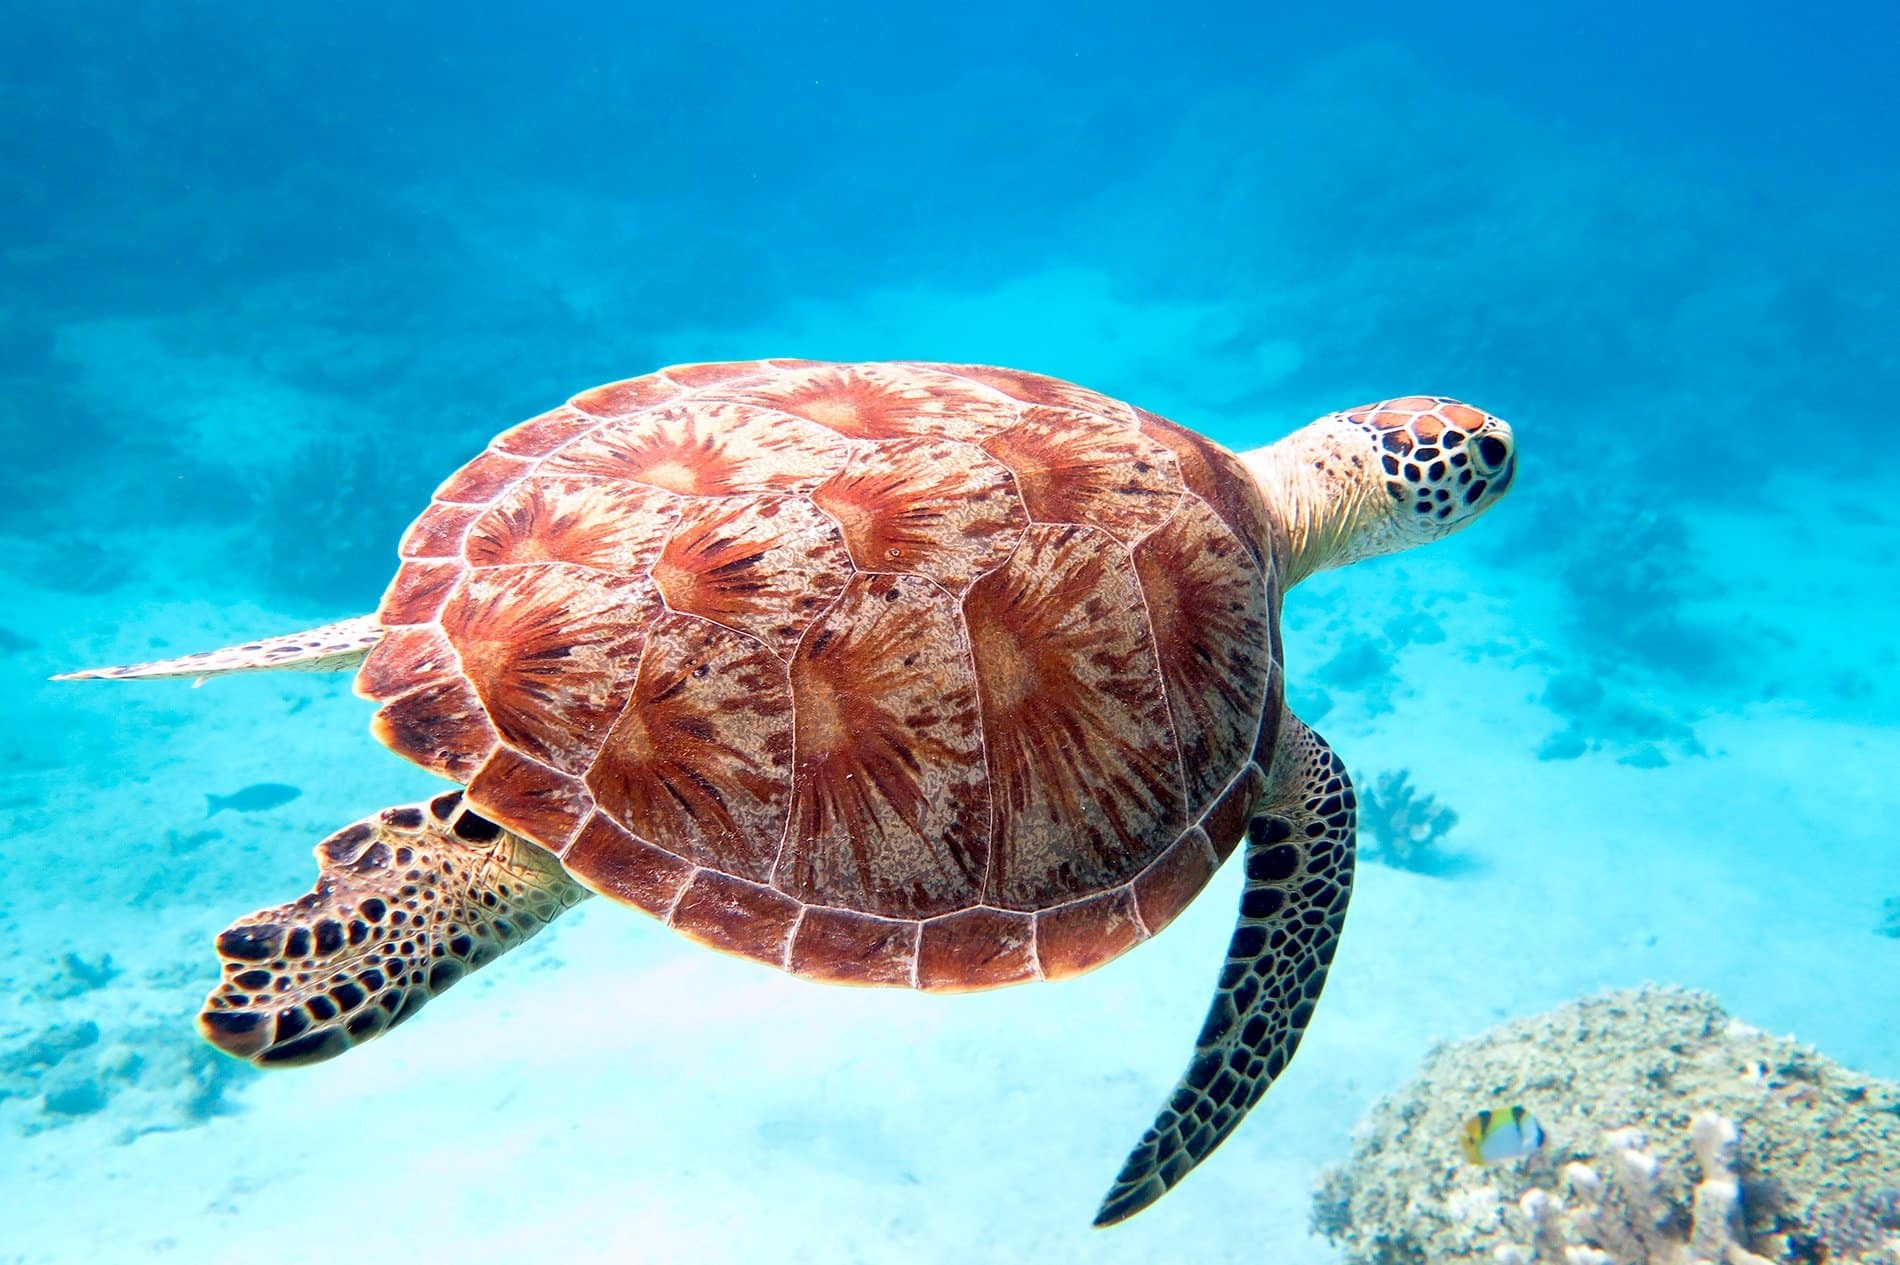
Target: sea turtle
930,675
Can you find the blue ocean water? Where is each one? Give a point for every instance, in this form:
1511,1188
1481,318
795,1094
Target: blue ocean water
267,276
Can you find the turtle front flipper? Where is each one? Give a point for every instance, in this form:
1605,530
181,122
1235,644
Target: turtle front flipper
406,903
1299,878
338,647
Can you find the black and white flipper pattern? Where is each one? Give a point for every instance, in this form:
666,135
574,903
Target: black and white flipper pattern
1299,860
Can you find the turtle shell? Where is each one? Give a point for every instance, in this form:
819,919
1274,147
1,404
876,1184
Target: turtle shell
933,675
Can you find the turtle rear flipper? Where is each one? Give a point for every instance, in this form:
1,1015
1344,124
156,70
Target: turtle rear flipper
338,647
406,903
1299,878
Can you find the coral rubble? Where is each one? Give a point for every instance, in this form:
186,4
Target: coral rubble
1676,1136
92,1042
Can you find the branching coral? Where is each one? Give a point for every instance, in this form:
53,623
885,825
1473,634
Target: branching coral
1675,1136
1402,827
330,520
1630,1216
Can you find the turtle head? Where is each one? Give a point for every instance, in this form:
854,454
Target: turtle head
1383,477
1443,463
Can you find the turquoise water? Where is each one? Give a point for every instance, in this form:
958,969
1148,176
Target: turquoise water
268,277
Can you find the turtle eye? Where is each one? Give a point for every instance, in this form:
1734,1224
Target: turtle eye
1493,451
1503,482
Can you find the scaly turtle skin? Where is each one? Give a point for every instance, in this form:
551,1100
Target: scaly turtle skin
939,676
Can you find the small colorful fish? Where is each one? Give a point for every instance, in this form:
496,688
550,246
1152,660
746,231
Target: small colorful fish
254,798
1491,1136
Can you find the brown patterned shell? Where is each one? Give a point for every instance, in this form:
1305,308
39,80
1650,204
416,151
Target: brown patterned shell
931,675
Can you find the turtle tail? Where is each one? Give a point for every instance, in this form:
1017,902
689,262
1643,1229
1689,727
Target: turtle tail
338,647
406,903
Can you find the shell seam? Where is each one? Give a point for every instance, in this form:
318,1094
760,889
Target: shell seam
791,936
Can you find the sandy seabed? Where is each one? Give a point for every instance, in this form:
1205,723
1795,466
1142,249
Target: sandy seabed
610,1093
